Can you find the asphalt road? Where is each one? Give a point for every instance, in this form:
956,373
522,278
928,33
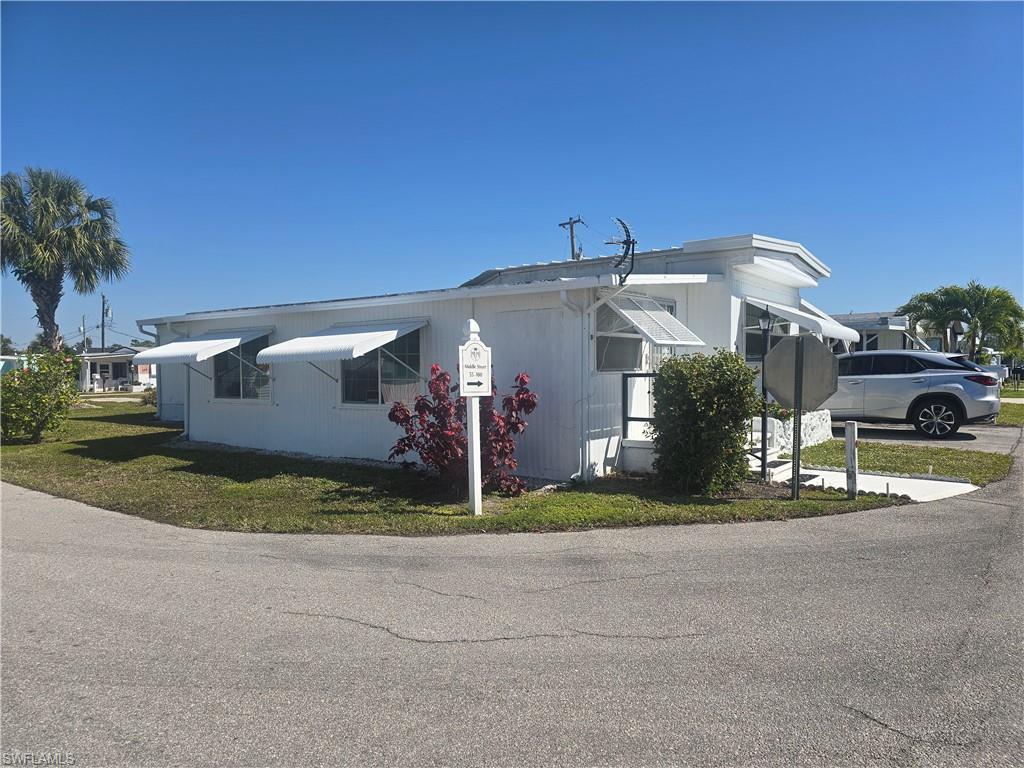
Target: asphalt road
977,437
887,638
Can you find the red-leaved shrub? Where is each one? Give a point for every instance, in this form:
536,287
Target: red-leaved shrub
435,429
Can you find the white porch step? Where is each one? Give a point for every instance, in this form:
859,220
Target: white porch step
779,470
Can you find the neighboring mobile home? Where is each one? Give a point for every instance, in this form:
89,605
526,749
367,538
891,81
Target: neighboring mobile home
114,369
887,330
319,377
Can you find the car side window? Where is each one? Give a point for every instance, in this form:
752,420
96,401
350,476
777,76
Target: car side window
890,365
951,364
855,366
915,365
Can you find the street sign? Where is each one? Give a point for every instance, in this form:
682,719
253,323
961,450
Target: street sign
800,373
474,382
820,371
474,369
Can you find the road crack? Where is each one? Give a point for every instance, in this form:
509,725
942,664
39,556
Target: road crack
610,580
439,592
483,640
914,739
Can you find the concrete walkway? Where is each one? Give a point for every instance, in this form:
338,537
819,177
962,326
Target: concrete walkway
918,489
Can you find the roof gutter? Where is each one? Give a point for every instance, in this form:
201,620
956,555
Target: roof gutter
449,294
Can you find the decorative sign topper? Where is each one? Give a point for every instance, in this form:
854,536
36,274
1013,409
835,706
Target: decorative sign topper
474,367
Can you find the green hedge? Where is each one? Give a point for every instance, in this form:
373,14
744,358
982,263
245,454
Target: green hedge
702,407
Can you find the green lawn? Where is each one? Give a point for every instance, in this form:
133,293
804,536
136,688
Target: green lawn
977,466
116,457
1011,415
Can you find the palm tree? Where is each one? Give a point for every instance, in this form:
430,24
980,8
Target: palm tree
53,230
936,311
990,311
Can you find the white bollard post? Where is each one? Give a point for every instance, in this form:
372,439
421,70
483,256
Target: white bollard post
851,459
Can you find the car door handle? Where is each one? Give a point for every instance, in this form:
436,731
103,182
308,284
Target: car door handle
858,381
918,381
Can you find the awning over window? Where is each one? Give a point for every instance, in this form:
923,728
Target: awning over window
818,323
653,321
195,349
340,342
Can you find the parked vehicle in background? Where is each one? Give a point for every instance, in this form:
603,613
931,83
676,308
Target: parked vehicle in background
935,392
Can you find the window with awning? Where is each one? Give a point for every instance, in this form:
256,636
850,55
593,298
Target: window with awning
654,321
820,324
625,321
380,362
195,349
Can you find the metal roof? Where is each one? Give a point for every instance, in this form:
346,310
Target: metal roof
688,248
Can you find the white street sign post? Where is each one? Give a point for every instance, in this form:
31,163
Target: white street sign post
474,383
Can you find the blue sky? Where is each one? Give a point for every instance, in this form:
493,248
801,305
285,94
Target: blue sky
263,153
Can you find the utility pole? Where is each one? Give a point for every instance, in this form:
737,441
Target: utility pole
571,224
103,322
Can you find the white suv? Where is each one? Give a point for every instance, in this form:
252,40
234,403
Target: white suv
933,391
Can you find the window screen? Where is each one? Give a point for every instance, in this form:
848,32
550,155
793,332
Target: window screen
615,353
234,379
385,375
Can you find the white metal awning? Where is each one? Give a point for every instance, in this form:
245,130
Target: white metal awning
653,321
195,349
819,323
339,342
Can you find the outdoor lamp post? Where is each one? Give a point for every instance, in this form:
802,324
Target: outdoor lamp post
764,322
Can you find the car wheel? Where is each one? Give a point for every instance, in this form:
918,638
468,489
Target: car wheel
936,419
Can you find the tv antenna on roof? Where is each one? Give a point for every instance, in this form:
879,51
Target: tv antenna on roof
628,245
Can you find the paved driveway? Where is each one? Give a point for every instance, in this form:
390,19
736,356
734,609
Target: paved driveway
890,637
978,437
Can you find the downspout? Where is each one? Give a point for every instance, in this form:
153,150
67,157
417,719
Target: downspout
186,432
582,432
159,397
582,474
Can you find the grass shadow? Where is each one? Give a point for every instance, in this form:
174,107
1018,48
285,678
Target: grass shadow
144,419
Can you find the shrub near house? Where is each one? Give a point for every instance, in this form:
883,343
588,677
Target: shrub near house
435,429
702,407
38,397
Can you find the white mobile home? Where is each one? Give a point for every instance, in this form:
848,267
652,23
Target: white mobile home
319,377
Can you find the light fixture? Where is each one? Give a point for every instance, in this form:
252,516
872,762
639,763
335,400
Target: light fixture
764,320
